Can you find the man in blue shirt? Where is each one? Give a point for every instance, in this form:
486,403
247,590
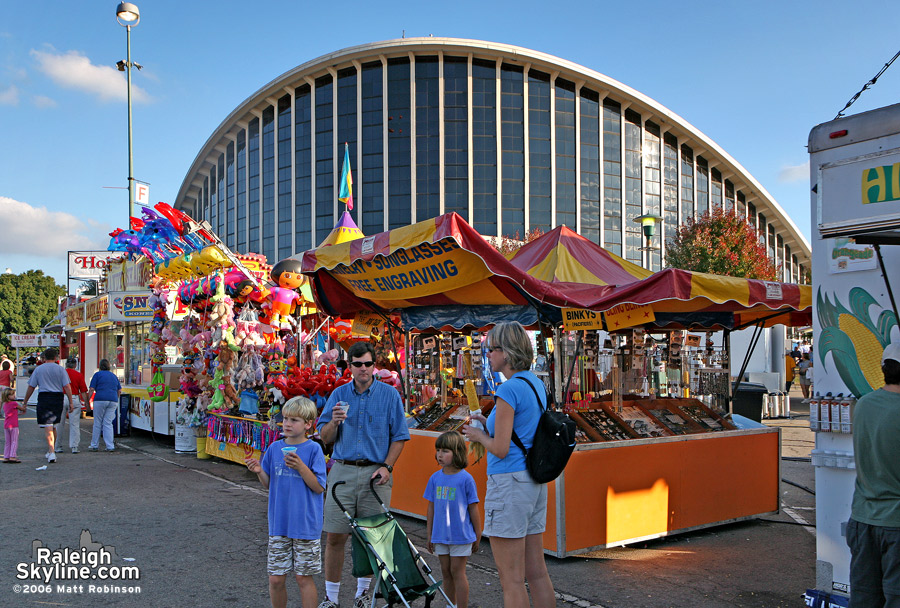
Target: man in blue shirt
366,421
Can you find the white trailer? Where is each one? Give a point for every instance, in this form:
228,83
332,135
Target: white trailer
855,179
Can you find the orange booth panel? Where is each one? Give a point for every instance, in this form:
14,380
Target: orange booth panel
620,492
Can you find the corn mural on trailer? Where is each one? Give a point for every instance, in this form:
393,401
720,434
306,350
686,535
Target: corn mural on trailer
855,207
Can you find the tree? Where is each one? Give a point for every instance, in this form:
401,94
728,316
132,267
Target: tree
721,242
508,245
28,301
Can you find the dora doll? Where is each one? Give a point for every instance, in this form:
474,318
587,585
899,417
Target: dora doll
287,278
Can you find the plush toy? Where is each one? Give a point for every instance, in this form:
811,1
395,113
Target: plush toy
389,377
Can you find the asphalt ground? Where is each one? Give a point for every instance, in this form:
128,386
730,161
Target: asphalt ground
195,530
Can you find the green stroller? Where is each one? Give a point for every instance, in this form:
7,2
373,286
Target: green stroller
381,546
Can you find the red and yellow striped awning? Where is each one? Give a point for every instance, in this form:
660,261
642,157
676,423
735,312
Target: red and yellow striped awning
750,300
575,265
440,261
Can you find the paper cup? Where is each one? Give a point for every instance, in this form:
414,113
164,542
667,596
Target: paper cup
289,450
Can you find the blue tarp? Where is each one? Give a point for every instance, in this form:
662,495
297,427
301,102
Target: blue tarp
462,317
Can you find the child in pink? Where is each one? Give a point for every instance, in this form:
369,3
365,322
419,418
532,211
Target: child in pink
11,409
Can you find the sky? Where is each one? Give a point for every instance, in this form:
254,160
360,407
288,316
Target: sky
755,77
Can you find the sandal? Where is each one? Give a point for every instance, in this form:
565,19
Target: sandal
13,460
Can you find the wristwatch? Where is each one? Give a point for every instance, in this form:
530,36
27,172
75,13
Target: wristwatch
388,467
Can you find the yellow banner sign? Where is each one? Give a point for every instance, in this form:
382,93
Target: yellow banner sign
628,315
415,272
365,324
580,318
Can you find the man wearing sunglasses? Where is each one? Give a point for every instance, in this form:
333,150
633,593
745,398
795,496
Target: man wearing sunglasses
366,422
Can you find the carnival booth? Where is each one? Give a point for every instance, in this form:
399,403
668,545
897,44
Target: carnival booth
643,468
193,339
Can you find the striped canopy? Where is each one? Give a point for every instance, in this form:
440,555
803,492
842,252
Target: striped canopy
438,262
693,299
575,265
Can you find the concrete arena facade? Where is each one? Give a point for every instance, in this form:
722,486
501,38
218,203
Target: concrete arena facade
511,139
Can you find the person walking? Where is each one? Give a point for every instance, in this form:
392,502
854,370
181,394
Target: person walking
790,368
105,391
53,384
80,398
873,532
293,470
11,409
7,379
805,380
366,422
453,522
515,507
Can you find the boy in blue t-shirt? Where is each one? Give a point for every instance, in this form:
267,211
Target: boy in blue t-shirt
293,469
454,524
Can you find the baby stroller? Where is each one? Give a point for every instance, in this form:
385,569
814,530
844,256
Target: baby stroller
380,545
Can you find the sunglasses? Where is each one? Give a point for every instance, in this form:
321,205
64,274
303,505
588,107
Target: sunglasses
361,363
493,348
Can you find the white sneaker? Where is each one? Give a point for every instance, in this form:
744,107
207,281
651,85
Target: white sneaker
58,450
327,603
362,601
51,457
74,450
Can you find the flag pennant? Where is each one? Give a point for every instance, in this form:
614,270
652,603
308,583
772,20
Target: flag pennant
346,192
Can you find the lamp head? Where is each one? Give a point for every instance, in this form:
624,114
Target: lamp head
120,65
127,14
648,224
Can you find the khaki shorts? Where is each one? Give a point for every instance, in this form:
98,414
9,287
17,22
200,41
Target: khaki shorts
355,495
304,556
514,506
453,550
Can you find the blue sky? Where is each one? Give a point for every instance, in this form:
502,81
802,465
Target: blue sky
755,77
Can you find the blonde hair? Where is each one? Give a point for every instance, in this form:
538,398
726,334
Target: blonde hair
7,394
511,338
456,443
300,407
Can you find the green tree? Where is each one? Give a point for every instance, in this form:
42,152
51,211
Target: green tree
721,242
28,301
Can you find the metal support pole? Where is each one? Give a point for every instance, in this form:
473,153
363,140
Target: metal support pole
887,282
130,154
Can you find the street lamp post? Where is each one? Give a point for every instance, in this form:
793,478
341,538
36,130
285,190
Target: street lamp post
128,15
648,223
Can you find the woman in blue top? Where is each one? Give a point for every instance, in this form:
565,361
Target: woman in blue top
515,507
105,389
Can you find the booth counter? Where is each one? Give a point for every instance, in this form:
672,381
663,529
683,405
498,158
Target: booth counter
620,492
236,439
154,416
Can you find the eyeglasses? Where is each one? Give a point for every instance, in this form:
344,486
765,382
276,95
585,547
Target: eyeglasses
493,348
361,363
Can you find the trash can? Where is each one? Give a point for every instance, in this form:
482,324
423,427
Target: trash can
748,400
122,421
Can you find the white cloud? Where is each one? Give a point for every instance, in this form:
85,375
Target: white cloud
41,101
794,173
9,96
75,71
39,232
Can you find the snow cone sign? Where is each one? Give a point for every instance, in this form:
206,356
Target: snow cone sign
130,306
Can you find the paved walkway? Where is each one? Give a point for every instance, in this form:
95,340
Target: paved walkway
797,440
